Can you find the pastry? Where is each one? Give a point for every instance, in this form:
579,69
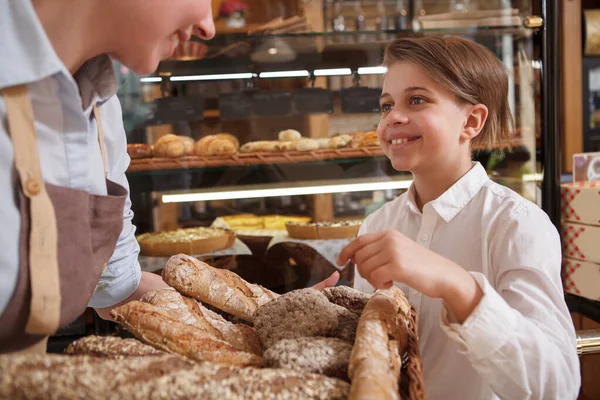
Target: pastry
381,340
337,142
157,328
289,135
169,146
198,240
299,313
323,142
139,150
220,144
218,287
369,139
323,230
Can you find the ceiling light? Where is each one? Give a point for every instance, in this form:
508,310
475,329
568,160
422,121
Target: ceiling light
333,72
151,79
372,70
284,74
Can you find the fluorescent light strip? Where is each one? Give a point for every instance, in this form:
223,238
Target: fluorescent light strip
284,74
213,77
333,72
151,79
372,70
292,191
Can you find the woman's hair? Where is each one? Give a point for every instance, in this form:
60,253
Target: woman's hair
468,70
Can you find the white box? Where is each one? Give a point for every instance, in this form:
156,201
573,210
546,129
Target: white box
581,242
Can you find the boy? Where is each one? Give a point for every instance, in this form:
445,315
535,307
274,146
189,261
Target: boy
480,264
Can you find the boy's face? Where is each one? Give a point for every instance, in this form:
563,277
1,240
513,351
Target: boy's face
421,123
146,32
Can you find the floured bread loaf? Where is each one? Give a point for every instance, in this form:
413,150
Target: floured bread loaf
111,347
193,313
155,327
381,339
299,313
321,355
218,287
55,377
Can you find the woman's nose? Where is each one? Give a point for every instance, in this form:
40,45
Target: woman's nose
396,117
205,29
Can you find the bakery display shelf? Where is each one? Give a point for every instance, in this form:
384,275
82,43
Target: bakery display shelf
242,159
586,307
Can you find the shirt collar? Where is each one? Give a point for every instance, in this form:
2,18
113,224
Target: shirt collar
26,52
453,200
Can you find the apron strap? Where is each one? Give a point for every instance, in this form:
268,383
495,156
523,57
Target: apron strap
100,138
44,316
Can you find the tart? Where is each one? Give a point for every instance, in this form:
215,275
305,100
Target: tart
198,240
323,230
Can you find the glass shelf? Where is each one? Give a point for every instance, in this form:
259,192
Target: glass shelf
230,53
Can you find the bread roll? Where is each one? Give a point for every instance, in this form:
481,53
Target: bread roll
188,144
169,146
218,287
369,139
155,327
229,137
219,144
289,135
323,142
381,339
340,141
139,150
305,145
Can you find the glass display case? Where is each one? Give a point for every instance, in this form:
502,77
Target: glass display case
317,70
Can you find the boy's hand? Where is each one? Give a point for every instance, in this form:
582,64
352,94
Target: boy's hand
385,257
329,282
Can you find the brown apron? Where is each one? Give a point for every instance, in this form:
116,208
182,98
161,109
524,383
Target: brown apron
67,236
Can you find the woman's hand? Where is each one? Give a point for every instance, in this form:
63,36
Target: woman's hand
385,257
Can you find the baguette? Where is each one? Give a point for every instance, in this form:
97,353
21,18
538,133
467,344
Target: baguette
155,327
239,335
381,339
111,347
220,288
190,312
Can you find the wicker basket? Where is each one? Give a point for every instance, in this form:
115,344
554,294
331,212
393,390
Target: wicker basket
412,386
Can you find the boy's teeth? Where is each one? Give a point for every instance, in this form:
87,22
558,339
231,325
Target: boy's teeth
399,141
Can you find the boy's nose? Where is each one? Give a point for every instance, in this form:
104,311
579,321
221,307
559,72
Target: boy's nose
396,118
205,29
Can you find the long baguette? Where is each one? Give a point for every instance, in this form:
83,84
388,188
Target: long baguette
218,287
381,339
155,327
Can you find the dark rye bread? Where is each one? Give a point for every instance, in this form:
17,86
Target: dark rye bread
345,296
54,377
299,313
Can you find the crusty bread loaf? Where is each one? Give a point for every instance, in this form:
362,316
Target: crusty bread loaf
169,146
219,144
111,347
319,355
347,297
305,145
54,377
239,335
171,302
218,287
155,327
381,339
340,141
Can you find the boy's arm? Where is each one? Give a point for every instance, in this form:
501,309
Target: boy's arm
520,337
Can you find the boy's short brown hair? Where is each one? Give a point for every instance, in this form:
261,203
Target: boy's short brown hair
468,70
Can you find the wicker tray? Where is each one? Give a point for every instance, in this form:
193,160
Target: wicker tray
412,386
241,159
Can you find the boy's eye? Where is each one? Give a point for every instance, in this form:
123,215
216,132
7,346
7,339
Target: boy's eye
387,107
416,100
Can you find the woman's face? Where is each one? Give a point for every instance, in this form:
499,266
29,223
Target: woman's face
146,32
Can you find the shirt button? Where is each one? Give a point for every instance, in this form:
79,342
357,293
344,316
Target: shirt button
424,237
33,186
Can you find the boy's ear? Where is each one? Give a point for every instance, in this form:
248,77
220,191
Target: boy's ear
475,121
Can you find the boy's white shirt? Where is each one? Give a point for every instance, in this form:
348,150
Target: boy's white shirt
519,343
